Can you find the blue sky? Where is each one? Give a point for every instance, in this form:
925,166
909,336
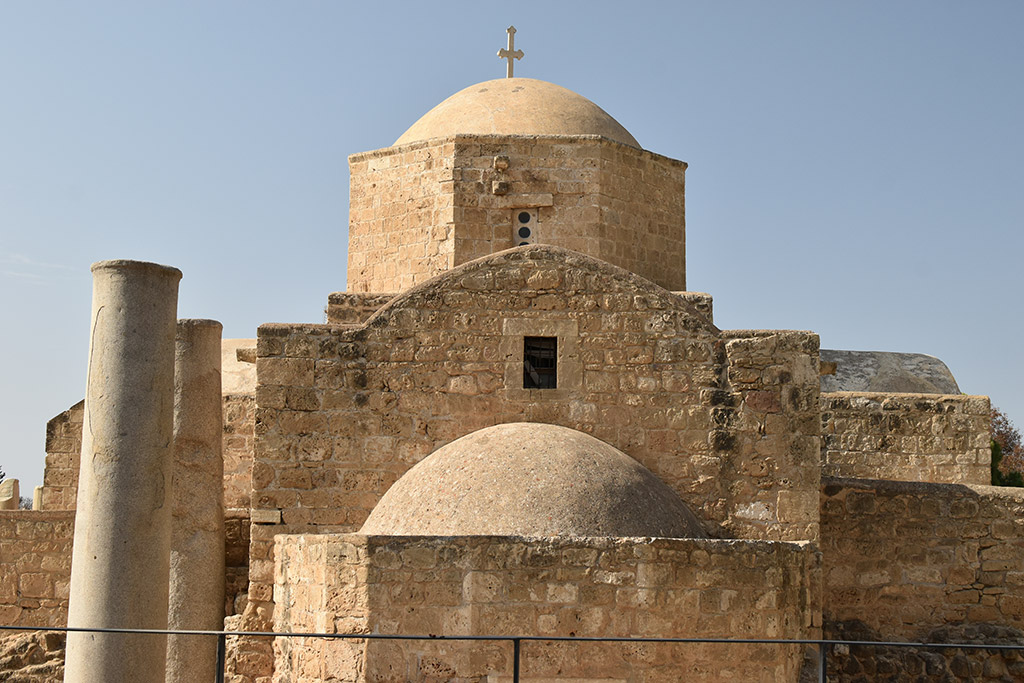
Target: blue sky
855,168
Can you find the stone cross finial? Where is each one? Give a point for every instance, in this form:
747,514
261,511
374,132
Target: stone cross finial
510,53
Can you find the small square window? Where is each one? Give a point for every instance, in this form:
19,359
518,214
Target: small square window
540,362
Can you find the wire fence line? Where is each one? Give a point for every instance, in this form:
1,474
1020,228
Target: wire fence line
822,645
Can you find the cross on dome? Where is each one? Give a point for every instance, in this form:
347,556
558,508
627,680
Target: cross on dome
510,53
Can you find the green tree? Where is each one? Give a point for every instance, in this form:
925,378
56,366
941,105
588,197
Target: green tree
1007,451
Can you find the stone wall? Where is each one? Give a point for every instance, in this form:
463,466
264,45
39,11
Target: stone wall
238,446
903,558
906,437
766,430
35,567
63,450
401,211
422,208
354,308
557,587
729,421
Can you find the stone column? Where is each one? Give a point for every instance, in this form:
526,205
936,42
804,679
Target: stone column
197,525
119,565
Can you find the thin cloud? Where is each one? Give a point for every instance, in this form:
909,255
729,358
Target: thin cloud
13,258
15,266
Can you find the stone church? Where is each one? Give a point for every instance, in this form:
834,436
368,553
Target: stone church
516,420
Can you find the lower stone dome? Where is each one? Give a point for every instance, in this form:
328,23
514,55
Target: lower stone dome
531,479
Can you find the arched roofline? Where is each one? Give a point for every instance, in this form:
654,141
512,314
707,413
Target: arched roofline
620,281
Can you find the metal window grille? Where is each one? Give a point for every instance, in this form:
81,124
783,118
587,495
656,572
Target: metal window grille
540,362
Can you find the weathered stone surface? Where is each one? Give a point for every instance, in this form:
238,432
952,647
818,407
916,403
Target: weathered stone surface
63,453
197,572
516,106
908,437
901,557
859,663
35,566
10,494
883,371
528,479
123,523
354,583
420,209
32,657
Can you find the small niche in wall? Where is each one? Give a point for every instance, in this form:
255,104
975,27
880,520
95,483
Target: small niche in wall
524,226
540,362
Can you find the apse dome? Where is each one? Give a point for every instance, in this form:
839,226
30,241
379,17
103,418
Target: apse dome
516,106
530,479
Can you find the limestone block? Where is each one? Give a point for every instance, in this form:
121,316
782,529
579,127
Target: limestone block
10,494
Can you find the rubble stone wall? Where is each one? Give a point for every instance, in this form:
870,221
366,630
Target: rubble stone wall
35,567
907,557
906,437
558,587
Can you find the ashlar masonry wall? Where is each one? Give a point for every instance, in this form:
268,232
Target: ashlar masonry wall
906,437
401,214
907,557
422,208
557,587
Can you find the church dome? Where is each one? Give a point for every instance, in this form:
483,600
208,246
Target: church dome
531,479
516,106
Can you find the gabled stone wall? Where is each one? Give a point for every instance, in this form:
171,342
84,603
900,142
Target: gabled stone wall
906,437
729,421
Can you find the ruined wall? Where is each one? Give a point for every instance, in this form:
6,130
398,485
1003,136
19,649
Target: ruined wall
35,567
905,557
63,450
556,587
906,437
766,428
422,208
400,216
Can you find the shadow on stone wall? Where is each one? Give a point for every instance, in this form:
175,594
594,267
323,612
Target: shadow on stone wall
871,664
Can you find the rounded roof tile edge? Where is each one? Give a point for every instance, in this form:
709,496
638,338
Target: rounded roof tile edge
516,106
